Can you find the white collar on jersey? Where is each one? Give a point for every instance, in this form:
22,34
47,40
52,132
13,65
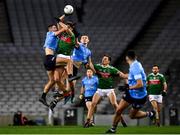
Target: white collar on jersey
105,66
133,63
156,74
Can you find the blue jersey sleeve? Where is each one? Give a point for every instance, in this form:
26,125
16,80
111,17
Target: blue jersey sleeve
51,34
136,71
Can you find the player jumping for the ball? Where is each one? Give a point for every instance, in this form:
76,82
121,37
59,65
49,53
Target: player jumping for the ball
51,60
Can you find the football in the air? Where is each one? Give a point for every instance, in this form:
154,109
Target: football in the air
68,9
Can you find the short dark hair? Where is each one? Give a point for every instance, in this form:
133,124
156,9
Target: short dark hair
89,69
155,65
109,57
131,55
50,25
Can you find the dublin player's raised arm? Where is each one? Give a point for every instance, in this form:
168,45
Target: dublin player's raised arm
61,18
91,65
65,26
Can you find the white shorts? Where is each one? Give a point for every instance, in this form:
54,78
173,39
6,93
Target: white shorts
157,98
104,92
64,56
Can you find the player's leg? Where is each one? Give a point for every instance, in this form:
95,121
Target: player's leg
47,87
60,60
159,112
95,100
117,117
58,78
112,97
69,67
73,84
155,108
70,86
135,112
155,100
88,105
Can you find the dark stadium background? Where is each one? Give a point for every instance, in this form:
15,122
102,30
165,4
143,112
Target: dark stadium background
150,27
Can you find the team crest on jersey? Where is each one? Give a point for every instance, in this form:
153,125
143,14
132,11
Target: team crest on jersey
104,74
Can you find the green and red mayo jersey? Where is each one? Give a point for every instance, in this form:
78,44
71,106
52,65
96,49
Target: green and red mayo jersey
105,75
155,83
66,44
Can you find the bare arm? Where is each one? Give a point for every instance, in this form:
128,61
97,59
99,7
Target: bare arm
77,43
60,31
165,86
123,75
82,90
66,27
62,18
91,65
139,84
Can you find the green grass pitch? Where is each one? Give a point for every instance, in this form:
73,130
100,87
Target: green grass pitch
92,130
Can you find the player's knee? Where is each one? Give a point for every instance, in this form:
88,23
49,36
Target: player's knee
114,105
155,109
93,105
51,81
132,116
118,111
56,79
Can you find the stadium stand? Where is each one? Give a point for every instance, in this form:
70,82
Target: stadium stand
4,28
174,83
110,29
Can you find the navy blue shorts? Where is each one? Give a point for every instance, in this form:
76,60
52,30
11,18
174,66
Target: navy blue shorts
136,103
50,62
88,99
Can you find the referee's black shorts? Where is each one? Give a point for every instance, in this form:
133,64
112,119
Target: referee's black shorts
136,103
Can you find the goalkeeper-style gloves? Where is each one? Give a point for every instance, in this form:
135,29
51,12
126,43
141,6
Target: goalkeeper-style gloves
81,96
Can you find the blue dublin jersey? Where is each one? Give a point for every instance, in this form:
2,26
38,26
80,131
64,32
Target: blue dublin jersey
136,72
81,54
90,85
51,41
